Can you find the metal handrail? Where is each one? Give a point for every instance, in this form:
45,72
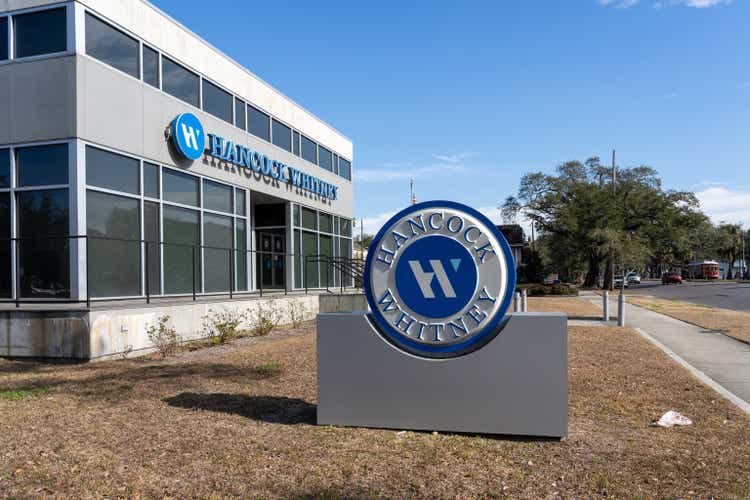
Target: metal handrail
345,266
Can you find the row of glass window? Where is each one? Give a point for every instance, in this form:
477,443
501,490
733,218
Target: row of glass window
112,46
34,33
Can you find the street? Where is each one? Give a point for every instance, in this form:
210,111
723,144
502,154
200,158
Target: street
724,294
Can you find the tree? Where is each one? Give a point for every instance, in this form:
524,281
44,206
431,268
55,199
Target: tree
365,242
729,245
586,222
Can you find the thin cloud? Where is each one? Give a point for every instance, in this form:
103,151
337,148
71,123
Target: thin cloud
393,174
725,205
695,4
454,158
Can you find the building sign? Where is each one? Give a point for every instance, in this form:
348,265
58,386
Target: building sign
439,279
189,140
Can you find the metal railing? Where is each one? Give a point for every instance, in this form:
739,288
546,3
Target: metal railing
57,286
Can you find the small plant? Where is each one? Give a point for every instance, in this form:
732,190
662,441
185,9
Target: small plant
222,326
297,313
267,370
19,394
163,336
265,319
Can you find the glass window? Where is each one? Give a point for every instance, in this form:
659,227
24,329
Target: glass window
335,163
179,187
240,207
112,171
41,32
42,165
346,227
4,168
309,250
326,223
5,245
258,123
217,196
241,279
282,135
325,158
217,239
345,169
309,150
111,46
179,81
114,264
43,263
298,260
150,180
3,38
309,219
295,142
151,66
326,271
216,101
181,243
153,249
239,113
295,215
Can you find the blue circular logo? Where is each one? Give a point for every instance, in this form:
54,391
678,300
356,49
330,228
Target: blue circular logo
436,276
188,136
439,278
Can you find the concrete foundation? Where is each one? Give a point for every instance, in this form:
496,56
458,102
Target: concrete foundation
121,330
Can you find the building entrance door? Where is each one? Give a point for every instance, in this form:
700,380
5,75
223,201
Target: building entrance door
272,260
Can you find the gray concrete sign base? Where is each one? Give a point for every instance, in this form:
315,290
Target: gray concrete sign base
517,384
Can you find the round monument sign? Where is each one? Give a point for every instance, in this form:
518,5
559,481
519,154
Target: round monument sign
439,278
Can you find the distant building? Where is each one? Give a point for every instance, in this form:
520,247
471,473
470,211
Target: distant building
516,239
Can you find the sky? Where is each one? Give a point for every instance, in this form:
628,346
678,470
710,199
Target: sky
466,97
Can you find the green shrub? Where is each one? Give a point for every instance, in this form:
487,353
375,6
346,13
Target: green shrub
222,326
539,290
265,319
163,336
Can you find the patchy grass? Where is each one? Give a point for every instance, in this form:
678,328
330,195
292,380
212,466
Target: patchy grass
19,394
213,426
733,323
572,306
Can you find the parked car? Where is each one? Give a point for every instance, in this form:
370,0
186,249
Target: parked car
618,281
634,278
671,277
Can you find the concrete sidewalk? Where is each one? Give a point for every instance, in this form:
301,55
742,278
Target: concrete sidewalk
721,359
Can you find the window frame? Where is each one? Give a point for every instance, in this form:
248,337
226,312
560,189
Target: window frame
139,46
69,32
203,81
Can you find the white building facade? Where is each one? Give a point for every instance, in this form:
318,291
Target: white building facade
97,201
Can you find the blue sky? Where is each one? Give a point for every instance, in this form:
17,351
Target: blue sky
466,97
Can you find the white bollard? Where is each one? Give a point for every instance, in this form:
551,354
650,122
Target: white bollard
621,310
523,301
605,305
517,302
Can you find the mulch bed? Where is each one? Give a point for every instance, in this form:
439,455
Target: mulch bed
225,425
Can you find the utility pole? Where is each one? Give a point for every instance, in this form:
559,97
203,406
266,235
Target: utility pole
413,198
611,250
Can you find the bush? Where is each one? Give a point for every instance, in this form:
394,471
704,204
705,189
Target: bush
163,336
297,312
538,290
222,326
266,318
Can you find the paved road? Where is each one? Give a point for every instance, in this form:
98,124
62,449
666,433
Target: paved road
716,294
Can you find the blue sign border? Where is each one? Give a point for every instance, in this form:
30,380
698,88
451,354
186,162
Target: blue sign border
177,140
437,351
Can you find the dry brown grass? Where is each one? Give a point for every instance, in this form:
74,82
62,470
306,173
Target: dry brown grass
222,425
733,323
573,306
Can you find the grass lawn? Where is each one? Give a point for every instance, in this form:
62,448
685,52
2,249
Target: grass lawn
733,323
238,421
573,306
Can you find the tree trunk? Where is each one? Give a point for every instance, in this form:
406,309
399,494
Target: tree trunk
592,274
609,283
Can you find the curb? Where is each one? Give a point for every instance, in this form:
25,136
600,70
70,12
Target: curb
733,398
